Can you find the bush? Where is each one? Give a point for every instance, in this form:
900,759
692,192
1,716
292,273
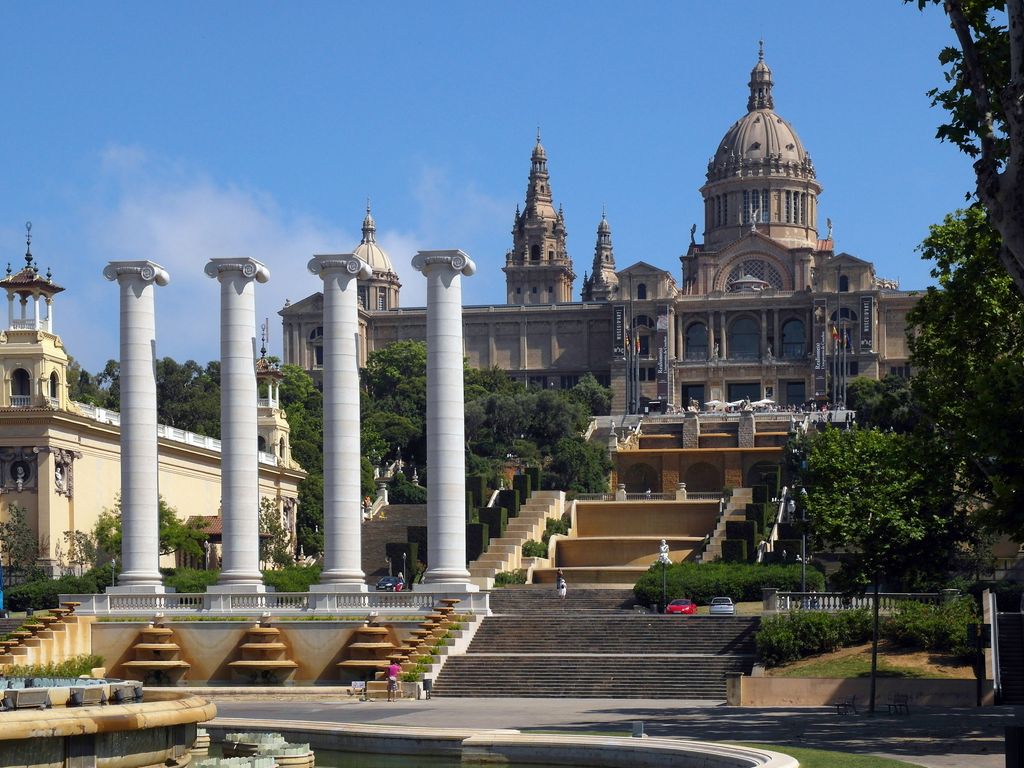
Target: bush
554,525
44,594
510,577
533,548
294,578
740,581
940,627
792,636
76,666
734,551
190,580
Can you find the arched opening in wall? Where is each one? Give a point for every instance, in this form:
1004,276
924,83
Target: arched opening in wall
763,473
744,339
794,339
280,448
316,341
640,478
534,252
261,444
697,341
54,385
21,388
844,284
641,292
703,477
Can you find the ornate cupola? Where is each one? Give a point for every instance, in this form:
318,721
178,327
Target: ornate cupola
271,423
603,284
33,362
761,178
538,269
380,292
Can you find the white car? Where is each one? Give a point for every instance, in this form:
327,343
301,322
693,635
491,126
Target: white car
722,606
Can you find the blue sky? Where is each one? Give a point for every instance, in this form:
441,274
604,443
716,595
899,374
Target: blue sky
185,131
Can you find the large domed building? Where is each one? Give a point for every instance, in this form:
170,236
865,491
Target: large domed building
763,307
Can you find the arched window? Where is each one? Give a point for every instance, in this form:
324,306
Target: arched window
261,444
316,333
844,321
280,447
534,252
641,292
794,339
744,339
844,284
21,388
697,342
54,385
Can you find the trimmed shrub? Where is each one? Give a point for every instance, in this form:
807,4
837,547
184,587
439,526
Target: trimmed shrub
760,494
790,546
734,551
413,554
523,485
534,474
44,594
509,499
758,514
192,580
792,636
496,519
505,578
742,530
417,534
940,627
477,487
740,581
477,539
294,578
533,548
552,526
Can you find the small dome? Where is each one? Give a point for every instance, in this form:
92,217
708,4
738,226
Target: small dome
369,251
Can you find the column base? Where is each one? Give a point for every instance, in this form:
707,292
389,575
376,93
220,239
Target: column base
339,586
136,589
454,587
235,588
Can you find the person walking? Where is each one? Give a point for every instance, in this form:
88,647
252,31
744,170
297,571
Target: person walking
561,587
393,671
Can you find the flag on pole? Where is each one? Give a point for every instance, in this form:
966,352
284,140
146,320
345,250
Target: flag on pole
835,333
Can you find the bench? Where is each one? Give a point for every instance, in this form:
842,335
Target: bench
899,702
846,706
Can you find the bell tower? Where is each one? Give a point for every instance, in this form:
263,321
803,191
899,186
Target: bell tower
538,269
33,363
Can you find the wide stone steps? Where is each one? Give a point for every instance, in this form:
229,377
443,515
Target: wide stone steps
529,599
388,525
1011,657
599,676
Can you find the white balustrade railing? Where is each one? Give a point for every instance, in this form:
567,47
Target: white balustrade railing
28,324
263,402
838,601
21,401
292,604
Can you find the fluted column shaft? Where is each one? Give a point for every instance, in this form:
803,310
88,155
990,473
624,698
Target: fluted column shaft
239,467
446,444
140,521
342,507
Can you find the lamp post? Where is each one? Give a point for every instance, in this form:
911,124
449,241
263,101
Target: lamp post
803,540
665,563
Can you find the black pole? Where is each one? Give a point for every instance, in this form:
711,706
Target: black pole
874,648
664,587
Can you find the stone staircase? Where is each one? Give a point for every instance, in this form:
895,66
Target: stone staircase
1011,657
539,646
735,509
506,553
388,525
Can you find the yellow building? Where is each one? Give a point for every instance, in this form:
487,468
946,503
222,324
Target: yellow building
60,460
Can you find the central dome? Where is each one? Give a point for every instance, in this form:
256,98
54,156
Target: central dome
369,251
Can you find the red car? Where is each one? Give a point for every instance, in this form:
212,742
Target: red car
682,605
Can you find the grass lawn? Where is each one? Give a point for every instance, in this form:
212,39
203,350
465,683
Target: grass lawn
892,662
819,758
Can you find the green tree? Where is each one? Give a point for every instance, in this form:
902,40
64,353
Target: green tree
176,535
304,407
984,96
967,351
275,540
886,404
188,396
578,466
19,546
594,397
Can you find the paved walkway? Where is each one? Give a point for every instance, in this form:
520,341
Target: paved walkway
936,738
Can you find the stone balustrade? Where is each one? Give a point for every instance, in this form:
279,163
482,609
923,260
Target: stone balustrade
775,601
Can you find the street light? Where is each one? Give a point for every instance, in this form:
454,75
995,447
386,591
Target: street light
803,540
665,563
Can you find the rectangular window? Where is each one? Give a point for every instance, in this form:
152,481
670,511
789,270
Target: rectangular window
725,209
692,392
568,382
796,393
789,209
766,210
738,390
746,206
382,300
645,346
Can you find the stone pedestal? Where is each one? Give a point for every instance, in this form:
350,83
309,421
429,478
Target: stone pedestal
239,469
446,458
140,522
342,507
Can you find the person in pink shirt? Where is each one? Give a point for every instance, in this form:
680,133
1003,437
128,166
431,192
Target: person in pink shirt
393,671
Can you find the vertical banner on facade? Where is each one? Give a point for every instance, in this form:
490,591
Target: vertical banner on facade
819,336
619,333
866,323
662,342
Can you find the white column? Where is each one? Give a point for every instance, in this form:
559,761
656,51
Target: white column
446,458
140,525
10,310
342,510
239,462
49,314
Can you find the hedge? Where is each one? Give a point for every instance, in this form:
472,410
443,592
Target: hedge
792,636
496,519
734,551
740,581
477,539
44,594
941,627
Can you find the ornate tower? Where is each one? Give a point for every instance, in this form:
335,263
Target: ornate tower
603,284
538,269
33,362
379,292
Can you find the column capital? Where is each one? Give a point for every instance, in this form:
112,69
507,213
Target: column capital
249,268
348,263
146,271
457,261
